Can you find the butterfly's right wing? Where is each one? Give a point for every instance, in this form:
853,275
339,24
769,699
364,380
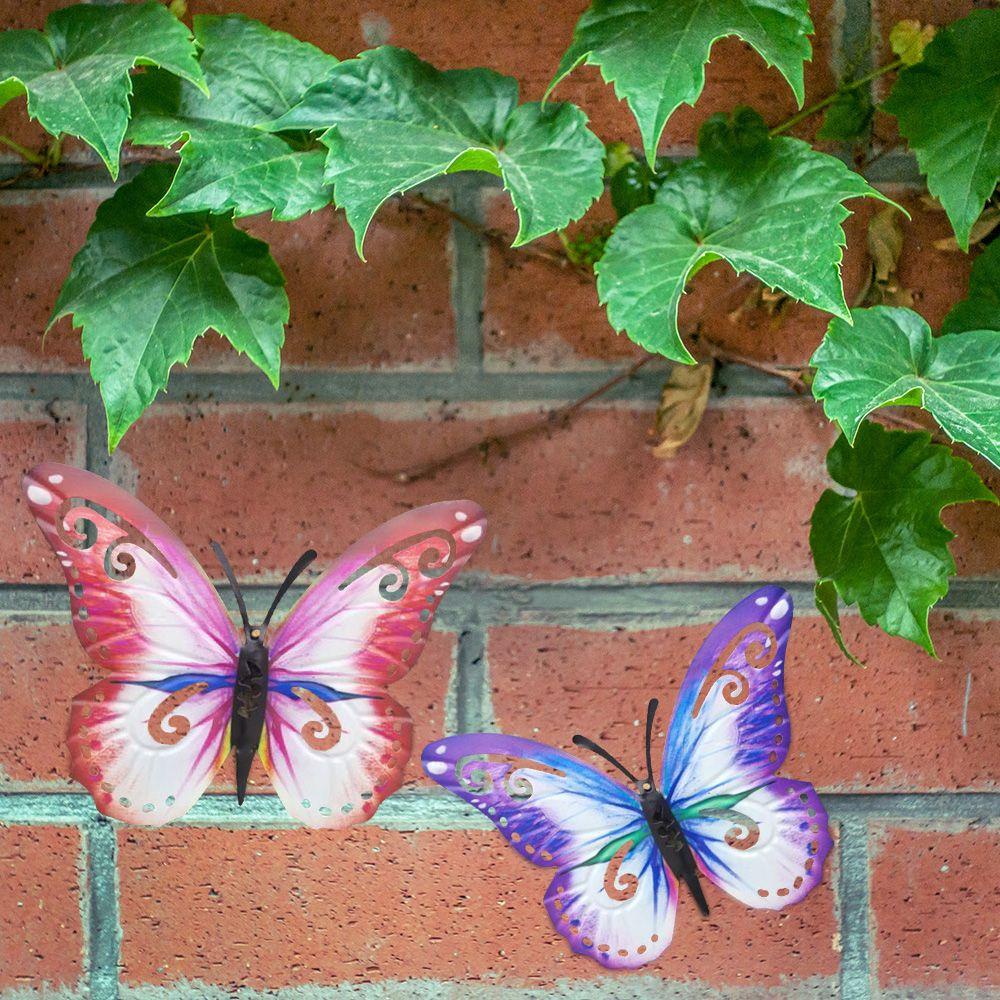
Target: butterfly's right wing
761,837
611,897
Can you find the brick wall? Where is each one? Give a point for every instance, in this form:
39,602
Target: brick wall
603,570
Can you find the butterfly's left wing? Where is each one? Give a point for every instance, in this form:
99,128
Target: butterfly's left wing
761,837
611,896
146,740
335,742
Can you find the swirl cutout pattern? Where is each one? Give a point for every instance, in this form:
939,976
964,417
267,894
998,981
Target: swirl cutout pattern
744,832
84,532
625,887
432,563
322,733
472,772
759,652
180,725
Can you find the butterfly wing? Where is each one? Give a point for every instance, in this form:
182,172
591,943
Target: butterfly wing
336,744
759,836
611,896
147,740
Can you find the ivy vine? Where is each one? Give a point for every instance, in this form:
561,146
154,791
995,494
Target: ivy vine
260,121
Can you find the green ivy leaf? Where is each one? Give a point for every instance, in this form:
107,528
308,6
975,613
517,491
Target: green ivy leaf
980,309
848,117
828,605
636,184
768,206
884,547
890,358
144,289
654,51
947,106
254,74
76,73
394,122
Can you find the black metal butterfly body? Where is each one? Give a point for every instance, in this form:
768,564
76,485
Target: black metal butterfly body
250,689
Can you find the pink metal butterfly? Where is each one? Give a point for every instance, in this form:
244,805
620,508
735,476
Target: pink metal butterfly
720,809
184,689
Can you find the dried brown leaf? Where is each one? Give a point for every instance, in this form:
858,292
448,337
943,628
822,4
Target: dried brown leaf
885,245
682,405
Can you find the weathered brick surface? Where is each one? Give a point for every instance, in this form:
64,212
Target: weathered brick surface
935,915
29,434
42,667
591,501
287,907
210,910
906,723
333,322
41,938
40,233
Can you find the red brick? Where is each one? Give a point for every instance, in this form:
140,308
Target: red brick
31,433
735,502
41,938
934,896
527,40
276,908
900,725
536,315
39,234
333,320
393,311
42,667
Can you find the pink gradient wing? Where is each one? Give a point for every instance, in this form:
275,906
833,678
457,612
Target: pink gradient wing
143,757
153,733
336,744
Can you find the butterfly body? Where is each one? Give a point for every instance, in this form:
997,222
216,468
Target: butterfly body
182,689
718,807
249,709
669,838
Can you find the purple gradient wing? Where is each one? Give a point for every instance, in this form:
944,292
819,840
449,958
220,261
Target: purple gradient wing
767,849
611,897
729,730
620,913
760,837
553,809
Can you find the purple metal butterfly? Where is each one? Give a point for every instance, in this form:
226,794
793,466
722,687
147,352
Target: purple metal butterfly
720,809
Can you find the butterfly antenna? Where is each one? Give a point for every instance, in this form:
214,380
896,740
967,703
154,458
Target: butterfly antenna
582,741
231,576
300,565
654,704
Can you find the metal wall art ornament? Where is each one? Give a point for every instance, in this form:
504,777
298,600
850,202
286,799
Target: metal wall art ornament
184,688
720,809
